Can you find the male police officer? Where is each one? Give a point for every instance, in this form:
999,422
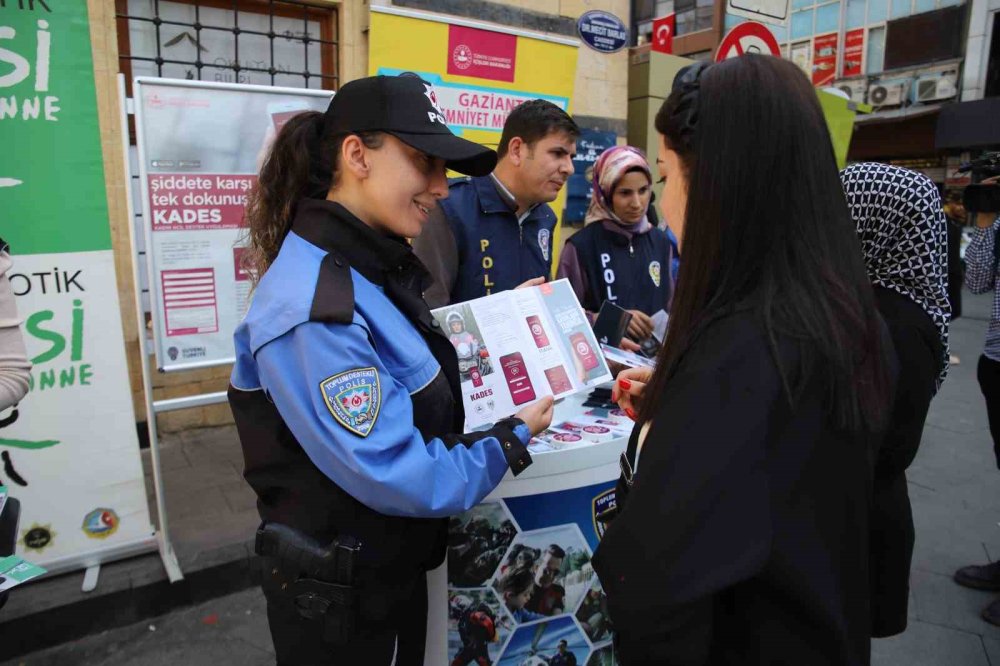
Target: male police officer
495,232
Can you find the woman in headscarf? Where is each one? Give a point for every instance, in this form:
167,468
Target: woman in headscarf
619,256
903,237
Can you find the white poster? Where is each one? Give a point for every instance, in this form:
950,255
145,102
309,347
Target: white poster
200,148
71,455
518,346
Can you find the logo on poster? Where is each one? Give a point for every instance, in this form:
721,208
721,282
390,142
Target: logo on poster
101,523
483,54
462,56
38,537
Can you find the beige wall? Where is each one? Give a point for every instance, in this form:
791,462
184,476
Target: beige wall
601,91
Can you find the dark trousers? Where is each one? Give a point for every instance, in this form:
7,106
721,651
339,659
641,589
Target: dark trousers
988,373
398,640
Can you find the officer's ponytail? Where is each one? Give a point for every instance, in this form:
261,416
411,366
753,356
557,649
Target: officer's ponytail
301,164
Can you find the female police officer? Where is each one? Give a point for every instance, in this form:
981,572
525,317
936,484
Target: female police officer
344,386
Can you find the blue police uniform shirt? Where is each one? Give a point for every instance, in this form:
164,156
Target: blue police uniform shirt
496,252
344,391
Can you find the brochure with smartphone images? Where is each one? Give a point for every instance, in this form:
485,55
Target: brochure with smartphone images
518,346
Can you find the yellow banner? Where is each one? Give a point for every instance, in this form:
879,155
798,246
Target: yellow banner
479,74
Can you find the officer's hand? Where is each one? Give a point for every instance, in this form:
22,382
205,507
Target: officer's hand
641,325
628,389
538,415
533,282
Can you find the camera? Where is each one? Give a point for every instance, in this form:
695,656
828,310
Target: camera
977,197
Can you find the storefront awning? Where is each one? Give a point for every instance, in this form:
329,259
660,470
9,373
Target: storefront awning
969,124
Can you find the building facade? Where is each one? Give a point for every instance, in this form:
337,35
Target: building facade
908,59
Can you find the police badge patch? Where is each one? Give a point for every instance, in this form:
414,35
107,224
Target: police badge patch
354,398
604,502
654,272
544,236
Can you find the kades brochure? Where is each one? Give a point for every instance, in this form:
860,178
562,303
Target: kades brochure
518,346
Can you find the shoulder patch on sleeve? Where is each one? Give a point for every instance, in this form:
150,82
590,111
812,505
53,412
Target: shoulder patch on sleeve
333,300
354,398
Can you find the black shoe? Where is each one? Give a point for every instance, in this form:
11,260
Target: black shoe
992,613
981,577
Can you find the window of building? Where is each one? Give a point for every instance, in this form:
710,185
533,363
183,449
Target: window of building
266,42
827,18
856,13
643,13
875,56
801,55
901,8
992,87
878,10
802,24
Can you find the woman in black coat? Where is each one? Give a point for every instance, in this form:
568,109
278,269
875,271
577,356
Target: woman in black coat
742,536
903,236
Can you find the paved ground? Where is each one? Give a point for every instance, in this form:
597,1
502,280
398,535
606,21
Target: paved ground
954,484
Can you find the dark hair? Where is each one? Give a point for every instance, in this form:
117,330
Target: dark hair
534,120
301,164
516,581
555,551
743,129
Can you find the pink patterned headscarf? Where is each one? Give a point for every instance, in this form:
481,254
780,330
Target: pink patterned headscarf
609,168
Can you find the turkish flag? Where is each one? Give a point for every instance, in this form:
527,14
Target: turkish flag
663,33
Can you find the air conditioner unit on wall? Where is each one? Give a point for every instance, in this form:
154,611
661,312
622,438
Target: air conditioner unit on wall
935,87
886,93
854,89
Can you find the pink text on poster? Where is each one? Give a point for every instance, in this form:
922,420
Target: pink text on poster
189,301
241,274
191,202
824,59
854,48
481,53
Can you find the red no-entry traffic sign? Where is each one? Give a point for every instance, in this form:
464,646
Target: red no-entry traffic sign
749,37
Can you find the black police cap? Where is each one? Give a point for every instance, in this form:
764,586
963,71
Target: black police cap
406,107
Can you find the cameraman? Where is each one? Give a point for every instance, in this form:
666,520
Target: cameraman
981,270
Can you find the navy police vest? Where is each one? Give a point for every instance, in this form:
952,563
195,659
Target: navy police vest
495,252
634,274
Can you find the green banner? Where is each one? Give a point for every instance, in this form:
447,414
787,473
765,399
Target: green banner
51,169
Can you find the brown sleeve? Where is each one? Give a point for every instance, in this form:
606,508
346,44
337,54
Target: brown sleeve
437,250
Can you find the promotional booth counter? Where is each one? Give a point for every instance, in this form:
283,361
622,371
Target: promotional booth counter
544,520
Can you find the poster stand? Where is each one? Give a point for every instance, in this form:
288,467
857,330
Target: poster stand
164,545
153,407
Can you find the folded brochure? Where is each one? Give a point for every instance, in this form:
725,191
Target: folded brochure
14,571
519,346
627,358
